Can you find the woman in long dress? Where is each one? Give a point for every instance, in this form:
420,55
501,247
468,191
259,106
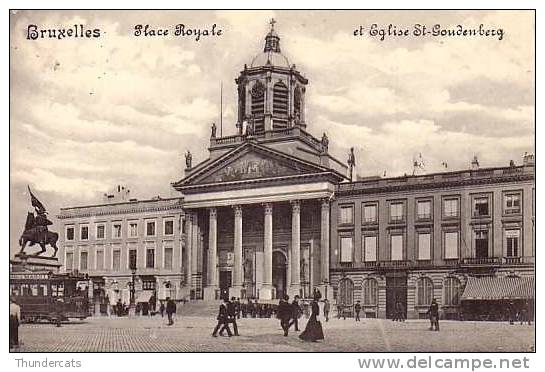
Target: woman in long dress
313,330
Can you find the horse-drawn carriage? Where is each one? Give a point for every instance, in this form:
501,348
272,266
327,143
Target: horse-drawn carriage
43,295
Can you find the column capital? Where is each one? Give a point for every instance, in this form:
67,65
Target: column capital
213,212
238,210
295,206
268,208
325,203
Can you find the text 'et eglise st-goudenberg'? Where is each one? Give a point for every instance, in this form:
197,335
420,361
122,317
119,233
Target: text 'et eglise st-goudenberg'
271,212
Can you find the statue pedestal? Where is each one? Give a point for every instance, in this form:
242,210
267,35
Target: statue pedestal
24,262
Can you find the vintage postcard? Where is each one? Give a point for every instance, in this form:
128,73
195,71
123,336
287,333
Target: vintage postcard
272,181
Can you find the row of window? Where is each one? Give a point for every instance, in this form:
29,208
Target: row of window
512,204
117,229
452,289
132,264
424,244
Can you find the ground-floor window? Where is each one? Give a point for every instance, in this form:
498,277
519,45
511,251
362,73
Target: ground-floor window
452,292
346,292
425,291
370,292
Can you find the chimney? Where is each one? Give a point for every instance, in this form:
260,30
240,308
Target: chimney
475,163
528,160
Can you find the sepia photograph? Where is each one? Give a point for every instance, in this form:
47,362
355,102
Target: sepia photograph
286,181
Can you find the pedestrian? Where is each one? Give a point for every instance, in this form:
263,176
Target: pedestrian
231,316
317,294
400,311
59,309
327,306
313,330
170,309
357,309
14,319
285,314
162,309
524,317
223,319
296,313
512,312
244,308
433,313
237,308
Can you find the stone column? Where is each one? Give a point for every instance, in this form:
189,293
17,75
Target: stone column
212,284
188,248
266,289
237,270
295,259
324,246
194,250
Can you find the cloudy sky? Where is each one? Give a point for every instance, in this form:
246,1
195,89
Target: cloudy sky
88,114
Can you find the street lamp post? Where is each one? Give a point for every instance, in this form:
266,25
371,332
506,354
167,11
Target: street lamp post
132,304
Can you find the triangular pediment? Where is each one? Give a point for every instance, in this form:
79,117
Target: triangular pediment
250,162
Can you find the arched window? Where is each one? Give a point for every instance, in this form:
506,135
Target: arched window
370,292
346,292
424,288
280,105
452,291
280,99
258,106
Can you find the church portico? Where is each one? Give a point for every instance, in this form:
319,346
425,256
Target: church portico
258,250
259,204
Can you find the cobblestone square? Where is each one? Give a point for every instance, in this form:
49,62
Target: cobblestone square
193,334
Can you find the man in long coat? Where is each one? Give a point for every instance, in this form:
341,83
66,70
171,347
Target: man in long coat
296,310
433,313
223,319
171,309
285,314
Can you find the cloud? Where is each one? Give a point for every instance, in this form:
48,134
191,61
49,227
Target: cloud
90,114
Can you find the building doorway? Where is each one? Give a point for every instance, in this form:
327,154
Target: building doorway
226,279
346,296
279,272
396,291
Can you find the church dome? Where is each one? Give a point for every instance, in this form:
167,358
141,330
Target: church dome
270,58
271,54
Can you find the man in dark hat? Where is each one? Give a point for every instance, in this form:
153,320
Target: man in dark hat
296,313
170,309
433,313
231,316
285,313
223,319
512,312
357,309
14,318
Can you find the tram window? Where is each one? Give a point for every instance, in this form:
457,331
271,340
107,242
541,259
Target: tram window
25,289
15,290
42,290
34,289
57,290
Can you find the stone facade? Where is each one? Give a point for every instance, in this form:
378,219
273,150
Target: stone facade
411,235
109,241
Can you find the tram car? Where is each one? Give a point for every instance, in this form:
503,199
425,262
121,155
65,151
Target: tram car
43,295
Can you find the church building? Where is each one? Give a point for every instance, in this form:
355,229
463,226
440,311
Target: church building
257,210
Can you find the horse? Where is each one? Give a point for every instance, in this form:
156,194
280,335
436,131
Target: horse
32,235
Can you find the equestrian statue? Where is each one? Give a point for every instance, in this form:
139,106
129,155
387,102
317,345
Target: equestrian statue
36,231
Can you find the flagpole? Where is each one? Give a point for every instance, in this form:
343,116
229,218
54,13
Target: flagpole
221,109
